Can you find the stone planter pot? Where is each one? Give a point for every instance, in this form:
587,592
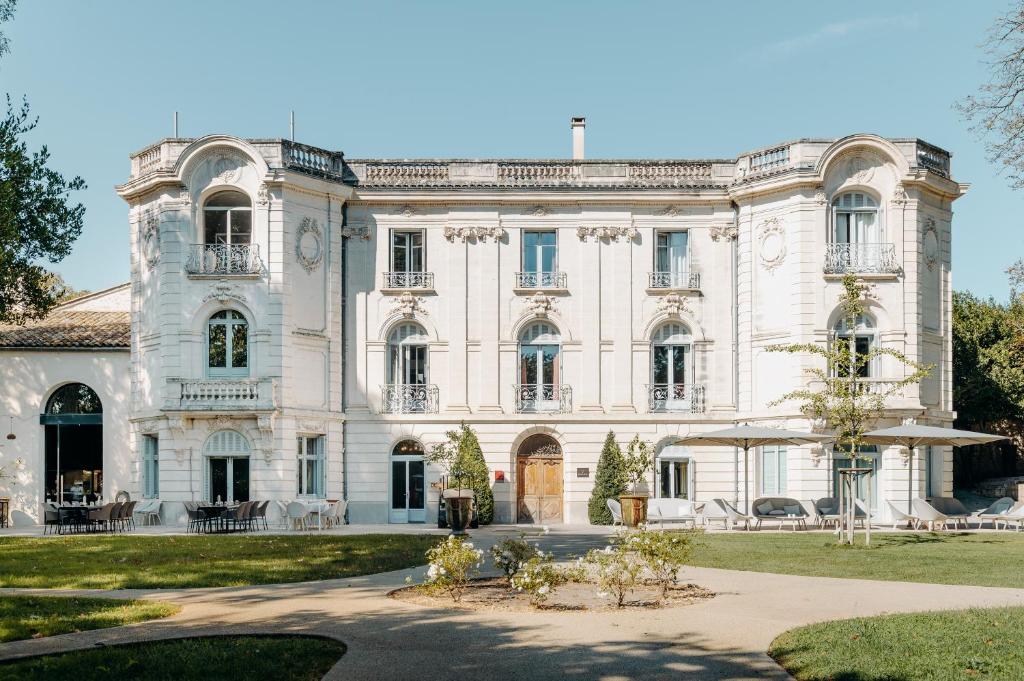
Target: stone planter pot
634,509
458,510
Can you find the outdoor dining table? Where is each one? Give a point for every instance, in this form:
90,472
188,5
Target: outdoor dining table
70,515
218,516
317,506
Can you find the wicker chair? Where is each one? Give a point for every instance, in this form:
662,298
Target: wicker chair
100,517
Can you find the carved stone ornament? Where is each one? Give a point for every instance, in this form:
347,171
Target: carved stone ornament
724,232
930,243
221,422
318,427
309,244
265,424
408,305
536,211
356,231
227,167
820,197
222,292
263,194
406,210
474,233
177,426
147,426
674,305
151,238
612,233
773,243
899,194
817,454
183,195
670,211
540,304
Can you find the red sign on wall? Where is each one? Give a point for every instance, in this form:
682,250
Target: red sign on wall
499,476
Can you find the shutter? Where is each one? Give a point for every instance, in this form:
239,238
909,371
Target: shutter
769,483
782,470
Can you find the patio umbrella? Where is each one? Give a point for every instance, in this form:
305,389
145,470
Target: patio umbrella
747,436
913,436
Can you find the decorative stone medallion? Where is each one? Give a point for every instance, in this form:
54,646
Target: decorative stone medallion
408,305
674,305
227,168
773,244
724,232
309,245
930,242
151,238
540,304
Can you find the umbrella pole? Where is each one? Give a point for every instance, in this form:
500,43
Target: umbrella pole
910,481
746,480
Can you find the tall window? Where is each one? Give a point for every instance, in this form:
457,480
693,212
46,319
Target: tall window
407,251
773,469
227,344
670,253
539,370
861,339
407,355
856,219
150,467
675,472
671,368
310,475
540,252
227,218
868,457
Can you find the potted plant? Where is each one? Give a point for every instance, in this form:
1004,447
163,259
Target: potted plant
464,472
638,463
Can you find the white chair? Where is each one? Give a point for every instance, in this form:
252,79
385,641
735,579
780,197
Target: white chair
340,508
282,511
671,510
713,512
296,513
150,512
994,512
1015,516
616,509
928,515
735,517
899,516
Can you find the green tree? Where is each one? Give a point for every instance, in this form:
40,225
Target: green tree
609,482
463,461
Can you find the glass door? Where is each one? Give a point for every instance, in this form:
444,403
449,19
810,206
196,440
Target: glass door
229,479
538,369
671,256
408,491
669,369
674,478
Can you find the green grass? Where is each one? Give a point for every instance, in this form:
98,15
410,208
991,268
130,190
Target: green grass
252,658
940,558
126,561
24,617
943,646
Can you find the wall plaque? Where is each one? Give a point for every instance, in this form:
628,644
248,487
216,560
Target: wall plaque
582,472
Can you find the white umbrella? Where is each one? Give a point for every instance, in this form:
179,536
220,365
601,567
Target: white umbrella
913,436
747,436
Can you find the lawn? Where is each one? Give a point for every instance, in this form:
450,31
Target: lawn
24,617
252,658
122,562
941,558
968,644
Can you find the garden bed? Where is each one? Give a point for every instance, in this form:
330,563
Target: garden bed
494,594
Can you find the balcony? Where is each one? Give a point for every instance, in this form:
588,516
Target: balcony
675,398
241,260
678,281
543,398
221,394
400,398
539,281
861,259
406,281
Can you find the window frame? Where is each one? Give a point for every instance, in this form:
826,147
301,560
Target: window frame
229,322
539,251
837,210
779,455
658,233
422,250
319,460
538,351
229,210
867,331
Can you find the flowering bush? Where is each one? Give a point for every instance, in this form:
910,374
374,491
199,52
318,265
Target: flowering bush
617,570
451,564
510,555
538,577
662,553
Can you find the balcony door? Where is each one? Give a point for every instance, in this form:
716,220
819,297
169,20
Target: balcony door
407,355
675,473
671,369
540,252
408,484
856,219
226,455
539,368
671,258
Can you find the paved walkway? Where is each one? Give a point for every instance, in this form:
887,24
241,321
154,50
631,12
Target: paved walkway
722,638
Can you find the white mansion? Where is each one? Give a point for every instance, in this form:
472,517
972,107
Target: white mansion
303,324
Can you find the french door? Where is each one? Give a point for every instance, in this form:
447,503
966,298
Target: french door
670,374
408,490
671,254
538,377
229,478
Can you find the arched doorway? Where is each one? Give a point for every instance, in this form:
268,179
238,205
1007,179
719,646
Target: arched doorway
408,484
73,425
539,476
227,466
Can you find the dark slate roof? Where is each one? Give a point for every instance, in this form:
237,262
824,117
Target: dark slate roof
64,328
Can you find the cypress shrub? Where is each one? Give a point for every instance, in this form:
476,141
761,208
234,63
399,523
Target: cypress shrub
609,481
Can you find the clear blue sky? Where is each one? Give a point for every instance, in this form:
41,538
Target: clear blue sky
474,79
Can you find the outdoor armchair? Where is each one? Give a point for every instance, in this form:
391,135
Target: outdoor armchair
826,511
671,510
616,509
999,508
296,512
899,516
952,509
928,515
714,512
735,517
101,516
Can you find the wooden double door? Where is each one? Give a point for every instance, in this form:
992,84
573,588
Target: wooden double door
539,492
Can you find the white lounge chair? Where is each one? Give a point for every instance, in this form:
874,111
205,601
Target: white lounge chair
150,511
994,512
1015,516
735,517
616,509
340,508
826,511
671,511
953,509
899,516
712,512
297,513
928,515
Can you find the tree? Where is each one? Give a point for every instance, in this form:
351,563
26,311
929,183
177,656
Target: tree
463,461
63,291
996,112
837,395
37,220
609,482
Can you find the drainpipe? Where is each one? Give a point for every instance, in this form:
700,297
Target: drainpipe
734,247
344,355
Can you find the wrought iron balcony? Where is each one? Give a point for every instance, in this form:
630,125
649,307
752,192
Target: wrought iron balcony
409,280
861,259
675,397
540,280
541,398
221,394
403,398
224,259
674,280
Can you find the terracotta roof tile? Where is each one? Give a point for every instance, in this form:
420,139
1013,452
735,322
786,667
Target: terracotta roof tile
71,329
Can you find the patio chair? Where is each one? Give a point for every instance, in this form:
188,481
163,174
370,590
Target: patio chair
296,513
260,514
616,509
340,509
713,512
115,515
150,512
953,509
777,508
128,514
240,517
928,515
735,517
994,512
100,517
826,511
898,516
51,519
282,508
1014,516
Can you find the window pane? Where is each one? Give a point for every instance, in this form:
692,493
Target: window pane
530,242
218,346
680,481
660,368
842,228
416,252
417,485
678,364
218,479
528,364
550,362
240,479
665,475
400,262
241,226
398,484
240,345
782,468
548,258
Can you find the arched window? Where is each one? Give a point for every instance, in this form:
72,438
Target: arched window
856,219
227,345
408,483
672,369
227,219
860,339
407,355
74,398
539,367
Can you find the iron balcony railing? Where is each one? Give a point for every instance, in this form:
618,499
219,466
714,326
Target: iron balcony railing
861,258
676,397
408,398
540,280
534,398
224,259
409,280
674,280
